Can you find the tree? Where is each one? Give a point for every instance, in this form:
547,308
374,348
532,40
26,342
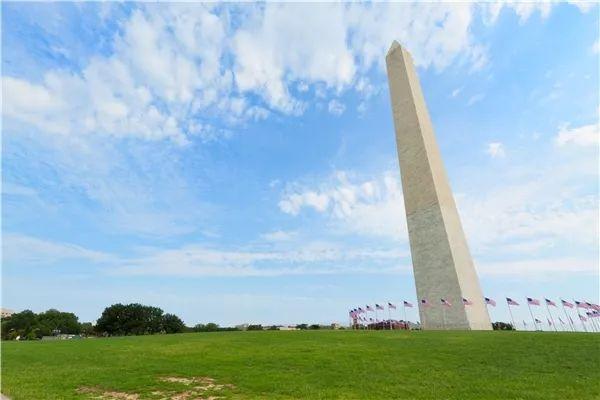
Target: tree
87,329
29,325
302,326
19,324
172,324
502,326
255,328
53,321
135,319
314,327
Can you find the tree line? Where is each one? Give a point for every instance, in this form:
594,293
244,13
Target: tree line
116,320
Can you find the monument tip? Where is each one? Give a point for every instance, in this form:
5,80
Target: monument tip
395,45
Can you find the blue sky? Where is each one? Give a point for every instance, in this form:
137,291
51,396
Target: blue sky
237,163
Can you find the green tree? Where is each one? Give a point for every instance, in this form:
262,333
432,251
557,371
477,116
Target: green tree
130,319
53,320
255,327
87,329
172,324
21,324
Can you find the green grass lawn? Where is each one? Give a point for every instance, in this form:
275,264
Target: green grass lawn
308,365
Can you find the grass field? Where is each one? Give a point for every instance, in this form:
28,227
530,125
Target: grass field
307,365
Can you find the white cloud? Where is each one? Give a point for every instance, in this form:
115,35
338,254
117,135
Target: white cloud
522,9
152,87
308,258
173,65
292,42
456,92
475,99
583,5
372,207
26,250
586,135
294,202
335,107
495,150
278,236
535,267
297,258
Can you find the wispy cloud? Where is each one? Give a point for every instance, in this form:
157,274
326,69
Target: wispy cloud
586,135
475,99
26,250
495,150
335,107
456,92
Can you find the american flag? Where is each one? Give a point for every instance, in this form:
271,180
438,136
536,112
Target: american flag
425,303
537,321
581,317
595,314
596,307
533,302
511,302
490,301
549,322
369,308
360,310
392,306
467,302
566,303
445,303
571,319
589,314
378,307
561,321
407,304
550,303
580,304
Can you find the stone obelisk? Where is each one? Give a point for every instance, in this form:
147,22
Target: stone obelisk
442,263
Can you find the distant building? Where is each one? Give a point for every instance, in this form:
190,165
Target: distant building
242,327
5,312
335,325
287,328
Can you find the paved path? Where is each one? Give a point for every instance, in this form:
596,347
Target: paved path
3,397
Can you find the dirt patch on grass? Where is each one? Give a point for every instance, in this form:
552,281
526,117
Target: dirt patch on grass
196,388
203,383
95,393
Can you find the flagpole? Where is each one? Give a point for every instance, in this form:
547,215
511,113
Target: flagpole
511,316
444,316
579,315
531,312
562,325
593,322
551,317
389,316
566,316
404,307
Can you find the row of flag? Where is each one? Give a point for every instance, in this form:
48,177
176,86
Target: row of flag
591,310
466,302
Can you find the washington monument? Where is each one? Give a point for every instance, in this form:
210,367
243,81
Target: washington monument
442,263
